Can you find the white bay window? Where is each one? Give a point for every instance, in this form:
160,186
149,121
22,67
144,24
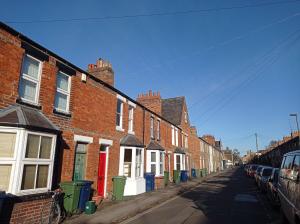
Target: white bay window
179,161
131,162
131,165
26,161
155,162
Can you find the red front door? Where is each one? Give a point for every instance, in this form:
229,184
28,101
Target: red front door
101,173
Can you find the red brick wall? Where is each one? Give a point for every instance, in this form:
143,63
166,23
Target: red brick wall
10,53
28,212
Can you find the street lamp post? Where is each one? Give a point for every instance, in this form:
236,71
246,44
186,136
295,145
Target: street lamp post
296,117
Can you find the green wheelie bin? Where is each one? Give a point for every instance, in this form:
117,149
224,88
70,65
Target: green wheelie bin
176,176
166,178
118,187
71,190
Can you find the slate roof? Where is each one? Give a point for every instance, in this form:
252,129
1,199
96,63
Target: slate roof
153,145
131,140
22,116
172,109
179,150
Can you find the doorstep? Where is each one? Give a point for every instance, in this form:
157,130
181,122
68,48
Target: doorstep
117,211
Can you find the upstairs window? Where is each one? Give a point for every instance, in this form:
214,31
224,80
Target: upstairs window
174,136
185,141
119,114
63,87
158,130
130,119
152,127
30,80
185,117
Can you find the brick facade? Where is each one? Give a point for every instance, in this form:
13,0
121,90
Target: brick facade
93,104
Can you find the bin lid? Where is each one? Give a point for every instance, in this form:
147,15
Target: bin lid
84,181
119,177
71,183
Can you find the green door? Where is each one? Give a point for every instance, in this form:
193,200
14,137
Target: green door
80,162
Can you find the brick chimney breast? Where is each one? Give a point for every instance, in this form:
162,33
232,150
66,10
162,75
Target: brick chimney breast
151,100
103,71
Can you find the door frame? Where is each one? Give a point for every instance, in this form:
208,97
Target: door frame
107,143
169,153
81,139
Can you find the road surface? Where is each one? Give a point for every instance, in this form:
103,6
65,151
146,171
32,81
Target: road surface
229,198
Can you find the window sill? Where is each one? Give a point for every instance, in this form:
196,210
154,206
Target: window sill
33,196
62,113
26,103
131,132
118,128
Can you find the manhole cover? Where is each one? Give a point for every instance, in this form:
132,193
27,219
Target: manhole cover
245,198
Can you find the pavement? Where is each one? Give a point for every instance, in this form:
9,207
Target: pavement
116,212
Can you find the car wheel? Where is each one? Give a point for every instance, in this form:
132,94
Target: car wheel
283,219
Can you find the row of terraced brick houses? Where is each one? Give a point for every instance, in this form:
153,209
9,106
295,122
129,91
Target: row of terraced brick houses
59,123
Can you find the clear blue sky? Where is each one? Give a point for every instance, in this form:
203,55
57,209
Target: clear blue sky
236,81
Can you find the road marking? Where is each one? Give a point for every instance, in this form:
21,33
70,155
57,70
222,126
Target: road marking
245,198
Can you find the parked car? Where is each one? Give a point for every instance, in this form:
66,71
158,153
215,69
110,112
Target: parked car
246,168
257,173
272,188
289,187
252,170
263,179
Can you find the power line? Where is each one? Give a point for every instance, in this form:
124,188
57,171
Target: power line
249,80
154,14
234,76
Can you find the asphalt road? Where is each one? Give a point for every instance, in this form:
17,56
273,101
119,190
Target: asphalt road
229,198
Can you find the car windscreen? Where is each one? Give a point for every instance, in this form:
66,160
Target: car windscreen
267,172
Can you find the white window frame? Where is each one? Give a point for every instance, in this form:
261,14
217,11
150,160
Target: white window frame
186,144
120,126
152,135
130,119
173,135
158,130
31,79
157,162
185,117
176,136
133,162
64,92
18,161
182,161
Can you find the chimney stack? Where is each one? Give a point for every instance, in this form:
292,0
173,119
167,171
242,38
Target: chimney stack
151,100
210,139
194,130
103,71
